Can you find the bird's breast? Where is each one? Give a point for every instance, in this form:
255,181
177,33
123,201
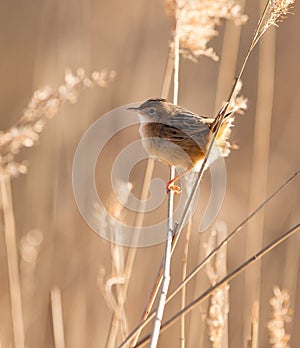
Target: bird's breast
162,148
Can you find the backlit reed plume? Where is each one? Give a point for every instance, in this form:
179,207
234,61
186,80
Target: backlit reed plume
281,315
43,105
198,21
278,9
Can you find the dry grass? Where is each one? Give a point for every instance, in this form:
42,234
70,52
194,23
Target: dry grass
281,315
51,263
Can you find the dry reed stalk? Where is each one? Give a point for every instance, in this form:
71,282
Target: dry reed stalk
145,190
30,248
218,304
291,269
189,178
118,265
57,318
259,170
273,12
197,328
168,74
25,133
229,57
138,223
117,257
178,226
184,273
253,341
221,266
233,233
281,315
144,193
166,274
223,281
117,277
184,31
213,252
12,261
188,29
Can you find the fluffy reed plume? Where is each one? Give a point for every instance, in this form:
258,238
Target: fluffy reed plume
197,22
278,11
280,316
43,105
218,306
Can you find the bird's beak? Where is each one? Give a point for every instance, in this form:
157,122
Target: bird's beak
134,108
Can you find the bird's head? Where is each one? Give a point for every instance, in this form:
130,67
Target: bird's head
154,110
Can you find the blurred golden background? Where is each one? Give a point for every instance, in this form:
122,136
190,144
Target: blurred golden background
39,40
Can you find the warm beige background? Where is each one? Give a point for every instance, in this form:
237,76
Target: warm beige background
38,40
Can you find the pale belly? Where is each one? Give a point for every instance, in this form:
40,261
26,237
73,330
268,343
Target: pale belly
167,152
173,154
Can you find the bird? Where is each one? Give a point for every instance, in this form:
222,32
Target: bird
180,137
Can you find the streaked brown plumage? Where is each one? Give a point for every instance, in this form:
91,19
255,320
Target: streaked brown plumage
178,136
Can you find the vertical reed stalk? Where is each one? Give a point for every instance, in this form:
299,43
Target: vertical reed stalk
140,212
12,261
57,318
221,266
217,318
253,341
140,215
228,59
260,163
184,273
291,269
119,318
166,276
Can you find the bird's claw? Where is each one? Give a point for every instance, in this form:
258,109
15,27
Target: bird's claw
176,189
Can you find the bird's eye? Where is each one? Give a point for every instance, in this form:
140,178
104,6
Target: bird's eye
151,111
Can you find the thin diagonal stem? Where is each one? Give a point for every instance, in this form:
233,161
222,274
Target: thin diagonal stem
213,252
225,280
232,234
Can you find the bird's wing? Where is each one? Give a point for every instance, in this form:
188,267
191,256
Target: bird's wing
190,123
185,130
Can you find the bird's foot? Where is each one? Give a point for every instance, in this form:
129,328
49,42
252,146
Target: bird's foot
170,186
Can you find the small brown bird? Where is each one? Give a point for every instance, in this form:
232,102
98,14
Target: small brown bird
179,137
